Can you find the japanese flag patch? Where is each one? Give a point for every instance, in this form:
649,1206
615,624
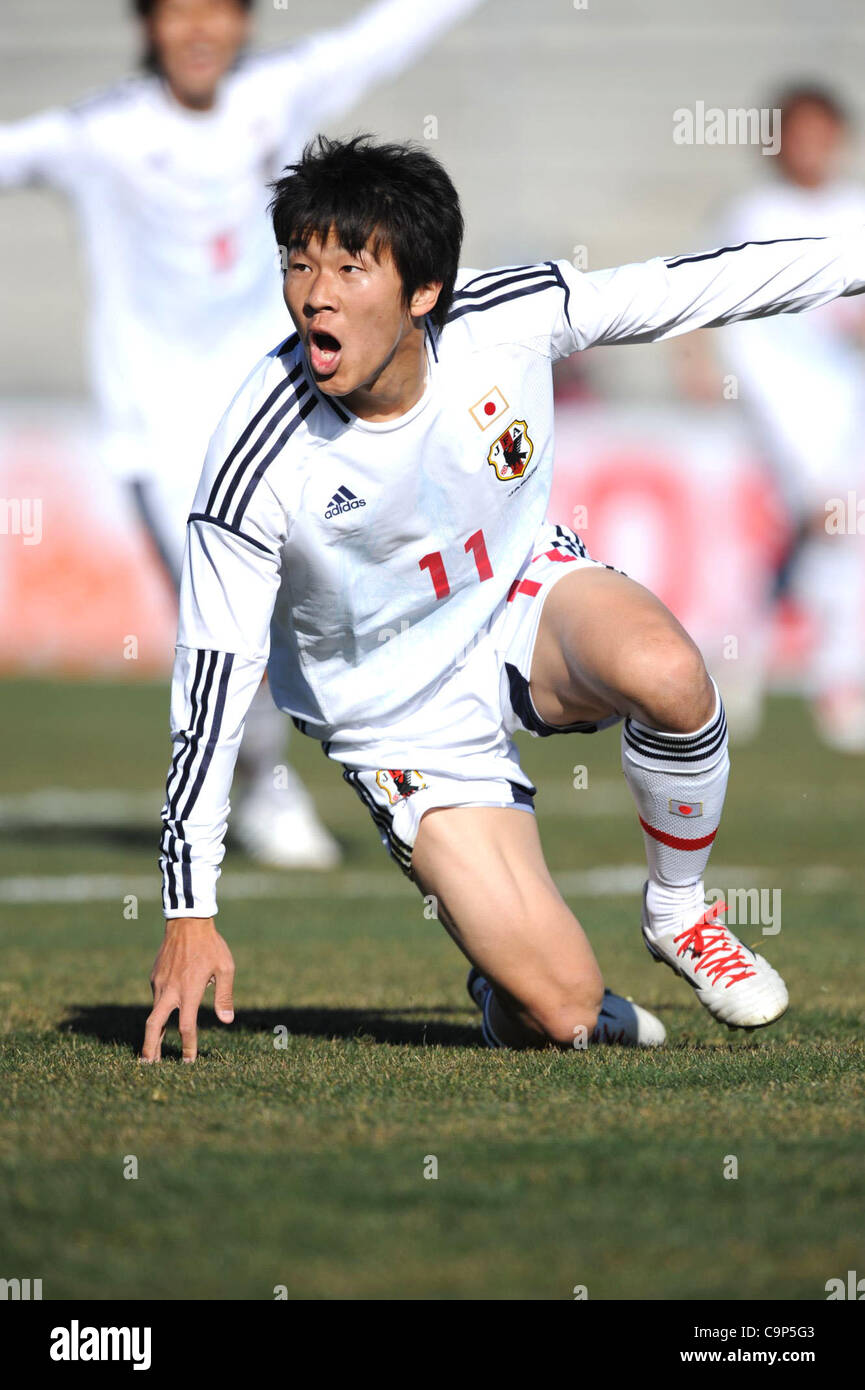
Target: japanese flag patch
488,409
686,808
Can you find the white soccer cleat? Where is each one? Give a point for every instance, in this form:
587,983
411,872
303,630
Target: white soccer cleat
619,1021
280,829
737,986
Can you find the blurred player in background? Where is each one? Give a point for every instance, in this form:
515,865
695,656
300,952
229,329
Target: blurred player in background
168,172
802,382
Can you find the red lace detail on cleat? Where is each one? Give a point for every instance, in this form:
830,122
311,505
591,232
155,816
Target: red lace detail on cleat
709,939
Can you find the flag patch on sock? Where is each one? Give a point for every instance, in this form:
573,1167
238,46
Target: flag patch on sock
685,808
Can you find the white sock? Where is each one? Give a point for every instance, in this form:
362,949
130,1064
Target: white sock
676,779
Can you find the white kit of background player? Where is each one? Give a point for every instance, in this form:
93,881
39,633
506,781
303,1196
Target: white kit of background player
184,287
314,532
802,384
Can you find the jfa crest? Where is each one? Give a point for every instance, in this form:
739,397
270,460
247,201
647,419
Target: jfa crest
398,784
511,452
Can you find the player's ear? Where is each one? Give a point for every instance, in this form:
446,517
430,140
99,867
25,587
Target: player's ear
425,298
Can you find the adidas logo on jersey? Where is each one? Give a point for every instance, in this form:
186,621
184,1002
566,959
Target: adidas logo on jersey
343,501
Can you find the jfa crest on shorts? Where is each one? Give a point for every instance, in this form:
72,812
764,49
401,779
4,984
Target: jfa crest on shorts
398,783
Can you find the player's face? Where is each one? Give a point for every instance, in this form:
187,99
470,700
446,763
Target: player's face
196,42
352,317
811,144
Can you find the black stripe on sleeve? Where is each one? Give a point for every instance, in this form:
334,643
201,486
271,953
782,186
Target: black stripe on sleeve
494,275
205,663
566,291
176,849
544,272
502,299
253,424
186,857
723,250
170,808
307,407
287,406
226,526
215,726
169,843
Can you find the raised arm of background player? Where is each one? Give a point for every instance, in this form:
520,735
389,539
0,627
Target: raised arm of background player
40,149
316,79
232,574
307,83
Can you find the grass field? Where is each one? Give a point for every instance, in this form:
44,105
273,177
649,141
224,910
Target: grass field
303,1165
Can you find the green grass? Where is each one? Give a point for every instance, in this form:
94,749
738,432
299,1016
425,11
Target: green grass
303,1165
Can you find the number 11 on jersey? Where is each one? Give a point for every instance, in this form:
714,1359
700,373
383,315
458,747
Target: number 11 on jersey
436,565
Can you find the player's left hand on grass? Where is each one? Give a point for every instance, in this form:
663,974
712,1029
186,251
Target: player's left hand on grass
192,956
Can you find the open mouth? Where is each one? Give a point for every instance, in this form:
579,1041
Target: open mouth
324,352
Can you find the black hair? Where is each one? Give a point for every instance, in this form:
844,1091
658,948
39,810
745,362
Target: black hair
143,10
396,197
812,94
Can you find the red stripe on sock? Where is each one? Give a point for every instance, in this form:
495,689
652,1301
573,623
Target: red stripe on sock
676,841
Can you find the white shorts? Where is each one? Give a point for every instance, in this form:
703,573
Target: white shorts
486,770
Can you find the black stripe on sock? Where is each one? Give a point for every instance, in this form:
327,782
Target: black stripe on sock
659,756
658,739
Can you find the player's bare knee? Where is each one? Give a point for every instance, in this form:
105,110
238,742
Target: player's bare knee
562,1014
670,683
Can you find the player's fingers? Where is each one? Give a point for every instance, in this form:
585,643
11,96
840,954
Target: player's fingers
189,1005
154,1028
223,994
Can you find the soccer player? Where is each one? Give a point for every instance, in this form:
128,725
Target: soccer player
168,172
802,384
370,526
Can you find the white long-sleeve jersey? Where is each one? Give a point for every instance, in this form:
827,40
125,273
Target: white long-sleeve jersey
359,562
802,380
184,276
